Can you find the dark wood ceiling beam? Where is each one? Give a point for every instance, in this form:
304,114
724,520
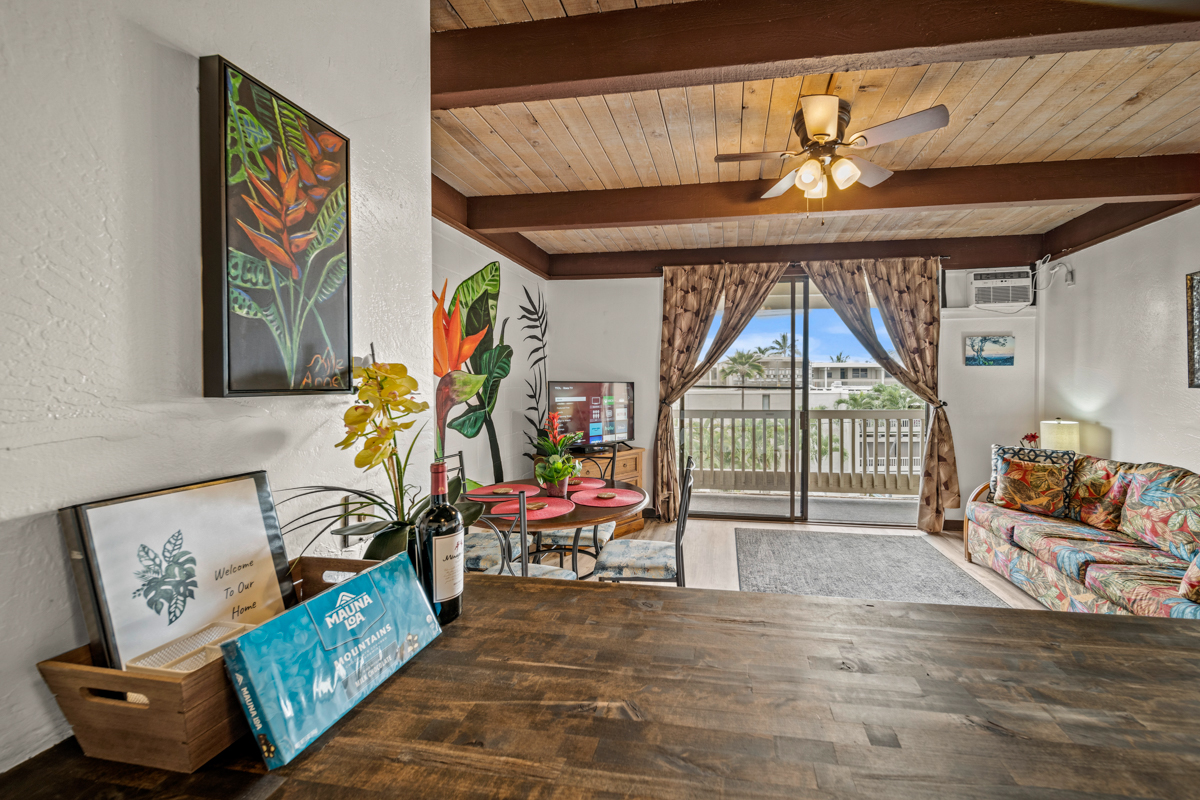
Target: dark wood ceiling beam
967,253
1114,180
1108,222
450,206
724,41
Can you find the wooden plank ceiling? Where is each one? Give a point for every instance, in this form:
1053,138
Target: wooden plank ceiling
1094,104
1026,107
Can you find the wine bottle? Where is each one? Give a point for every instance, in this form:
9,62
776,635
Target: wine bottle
440,546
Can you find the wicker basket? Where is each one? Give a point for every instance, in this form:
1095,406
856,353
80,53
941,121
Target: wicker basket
174,722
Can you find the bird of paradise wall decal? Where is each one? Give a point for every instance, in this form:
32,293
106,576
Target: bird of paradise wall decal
286,256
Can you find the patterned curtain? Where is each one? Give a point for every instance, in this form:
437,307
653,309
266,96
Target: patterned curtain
906,292
690,296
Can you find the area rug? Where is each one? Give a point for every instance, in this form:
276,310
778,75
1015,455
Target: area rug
864,566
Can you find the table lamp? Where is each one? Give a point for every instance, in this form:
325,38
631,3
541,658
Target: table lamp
1058,434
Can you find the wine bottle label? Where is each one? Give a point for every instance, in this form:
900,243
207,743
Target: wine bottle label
447,567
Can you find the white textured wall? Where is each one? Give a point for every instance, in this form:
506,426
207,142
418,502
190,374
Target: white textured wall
610,330
987,405
1116,345
456,257
100,257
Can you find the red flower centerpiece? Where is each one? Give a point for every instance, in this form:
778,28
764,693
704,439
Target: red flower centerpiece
556,467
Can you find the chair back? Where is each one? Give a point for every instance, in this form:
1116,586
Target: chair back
519,525
685,500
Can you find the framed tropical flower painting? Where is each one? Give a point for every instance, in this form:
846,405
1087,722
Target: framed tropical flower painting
275,218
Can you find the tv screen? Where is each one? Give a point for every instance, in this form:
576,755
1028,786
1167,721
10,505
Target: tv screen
602,412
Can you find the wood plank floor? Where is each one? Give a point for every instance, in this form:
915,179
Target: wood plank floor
580,690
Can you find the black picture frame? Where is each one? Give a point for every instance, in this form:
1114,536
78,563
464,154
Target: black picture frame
1192,290
272,353
89,578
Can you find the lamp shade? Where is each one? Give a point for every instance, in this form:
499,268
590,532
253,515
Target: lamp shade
1060,434
810,174
845,172
818,191
820,116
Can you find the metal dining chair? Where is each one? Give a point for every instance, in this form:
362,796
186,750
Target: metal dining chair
645,559
496,554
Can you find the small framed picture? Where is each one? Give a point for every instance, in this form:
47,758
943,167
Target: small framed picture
990,351
154,567
1192,285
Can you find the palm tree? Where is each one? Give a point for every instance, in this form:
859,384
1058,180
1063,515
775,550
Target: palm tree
840,358
745,365
859,401
782,345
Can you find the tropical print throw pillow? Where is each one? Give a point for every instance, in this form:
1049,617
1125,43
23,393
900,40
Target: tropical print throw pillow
1098,491
1032,455
1036,488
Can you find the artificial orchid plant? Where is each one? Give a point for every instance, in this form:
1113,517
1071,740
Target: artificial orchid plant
381,413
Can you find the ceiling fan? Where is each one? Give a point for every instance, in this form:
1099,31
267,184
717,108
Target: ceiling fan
821,125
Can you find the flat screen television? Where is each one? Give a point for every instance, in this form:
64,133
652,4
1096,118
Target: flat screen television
602,412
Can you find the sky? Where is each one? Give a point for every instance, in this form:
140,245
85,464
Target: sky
827,334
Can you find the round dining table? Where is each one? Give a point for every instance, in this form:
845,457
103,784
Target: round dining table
581,517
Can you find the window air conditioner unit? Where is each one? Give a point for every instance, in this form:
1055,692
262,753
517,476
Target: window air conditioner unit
1002,290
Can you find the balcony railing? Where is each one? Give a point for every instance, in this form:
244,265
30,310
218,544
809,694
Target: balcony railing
860,452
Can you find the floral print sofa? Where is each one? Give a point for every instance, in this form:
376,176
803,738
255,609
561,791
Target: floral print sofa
1126,542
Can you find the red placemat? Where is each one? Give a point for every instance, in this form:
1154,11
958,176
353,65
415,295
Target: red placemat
584,483
484,493
555,507
624,497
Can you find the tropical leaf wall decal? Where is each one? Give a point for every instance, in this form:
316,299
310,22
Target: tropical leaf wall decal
169,580
537,321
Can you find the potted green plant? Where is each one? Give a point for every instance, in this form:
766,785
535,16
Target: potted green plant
557,466
381,413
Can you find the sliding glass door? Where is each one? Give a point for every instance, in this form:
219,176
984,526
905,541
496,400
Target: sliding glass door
796,422
743,423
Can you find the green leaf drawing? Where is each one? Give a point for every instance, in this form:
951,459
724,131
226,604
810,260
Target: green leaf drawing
245,136
470,422
244,305
484,282
330,222
335,276
497,363
168,581
284,119
250,272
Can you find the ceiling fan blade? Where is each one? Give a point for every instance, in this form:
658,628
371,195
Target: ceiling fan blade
753,156
787,182
921,122
872,174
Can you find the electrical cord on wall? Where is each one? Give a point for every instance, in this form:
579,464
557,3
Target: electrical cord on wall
1043,266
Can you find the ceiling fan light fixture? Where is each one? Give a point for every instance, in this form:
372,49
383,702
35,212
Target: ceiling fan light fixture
821,116
818,191
845,173
810,174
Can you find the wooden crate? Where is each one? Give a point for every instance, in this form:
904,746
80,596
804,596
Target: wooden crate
169,722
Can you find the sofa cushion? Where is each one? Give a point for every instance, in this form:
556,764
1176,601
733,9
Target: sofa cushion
1098,491
1146,590
1162,508
1036,488
1033,455
997,520
1189,587
1072,550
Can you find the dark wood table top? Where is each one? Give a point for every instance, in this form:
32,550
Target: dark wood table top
554,689
582,516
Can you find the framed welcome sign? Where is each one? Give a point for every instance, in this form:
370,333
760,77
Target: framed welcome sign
155,567
275,218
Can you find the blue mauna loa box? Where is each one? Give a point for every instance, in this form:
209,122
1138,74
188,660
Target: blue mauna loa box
300,672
